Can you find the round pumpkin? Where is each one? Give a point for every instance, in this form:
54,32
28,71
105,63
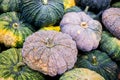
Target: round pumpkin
100,62
12,67
56,28
50,52
42,12
95,5
81,74
9,5
83,29
111,20
110,45
13,29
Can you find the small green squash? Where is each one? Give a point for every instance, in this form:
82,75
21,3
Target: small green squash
12,67
42,12
13,29
81,74
110,45
99,62
9,5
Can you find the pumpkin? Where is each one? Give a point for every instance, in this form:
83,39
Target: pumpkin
49,52
111,20
117,4
42,12
13,29
68,3
95,5
83,29
56,28
9,5
100,62
12,67
73,9
110,45
81,74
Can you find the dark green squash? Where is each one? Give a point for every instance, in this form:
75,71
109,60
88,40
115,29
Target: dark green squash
99,62
12,67
110,45
42,12
9,5
13,29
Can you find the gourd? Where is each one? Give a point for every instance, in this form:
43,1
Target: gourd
83,29
13,29
100,62
81,74
12,67
42,12
110,45
9,5
50,52
111,20
56,28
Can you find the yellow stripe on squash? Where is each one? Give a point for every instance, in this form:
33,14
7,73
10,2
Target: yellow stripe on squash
6,78
68,3
56,28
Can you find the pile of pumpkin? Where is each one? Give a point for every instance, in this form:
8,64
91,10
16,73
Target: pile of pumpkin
59,39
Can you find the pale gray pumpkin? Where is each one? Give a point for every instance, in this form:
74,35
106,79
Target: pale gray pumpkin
50,52
111,20
83,29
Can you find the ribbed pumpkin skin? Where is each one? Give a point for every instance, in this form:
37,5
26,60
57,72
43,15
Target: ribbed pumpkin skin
13,68
81,74
9,5
111,20
110,45
50,52
83,29
42,14
99,62
13,30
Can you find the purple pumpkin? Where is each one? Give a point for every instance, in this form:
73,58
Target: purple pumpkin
111,20
83,29
50,52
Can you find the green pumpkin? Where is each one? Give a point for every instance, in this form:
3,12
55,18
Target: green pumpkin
73,9
117,4
110,45
42,12
12,67
9,5
13,29
99,62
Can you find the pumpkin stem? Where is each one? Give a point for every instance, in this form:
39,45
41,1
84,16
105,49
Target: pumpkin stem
45,2
94,60
49,43
15,25
86,9
16,68
84,24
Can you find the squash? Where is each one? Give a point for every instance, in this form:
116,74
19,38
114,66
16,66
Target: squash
110,45
56,28
117,4
95,5
68,3
9,5
12,67
81,74
73,9
100,62
50,52
42,12
13,29
83,29
111,20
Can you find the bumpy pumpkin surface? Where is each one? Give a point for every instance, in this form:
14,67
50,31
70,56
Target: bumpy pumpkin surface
9,5
13,29
42,12
49,52
110,45
99,62
83,29
12,67
111,20
81,74
95,5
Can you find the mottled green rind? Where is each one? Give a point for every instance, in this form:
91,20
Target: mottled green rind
103,65
10,59
117,5
73,9
110,45
9,5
